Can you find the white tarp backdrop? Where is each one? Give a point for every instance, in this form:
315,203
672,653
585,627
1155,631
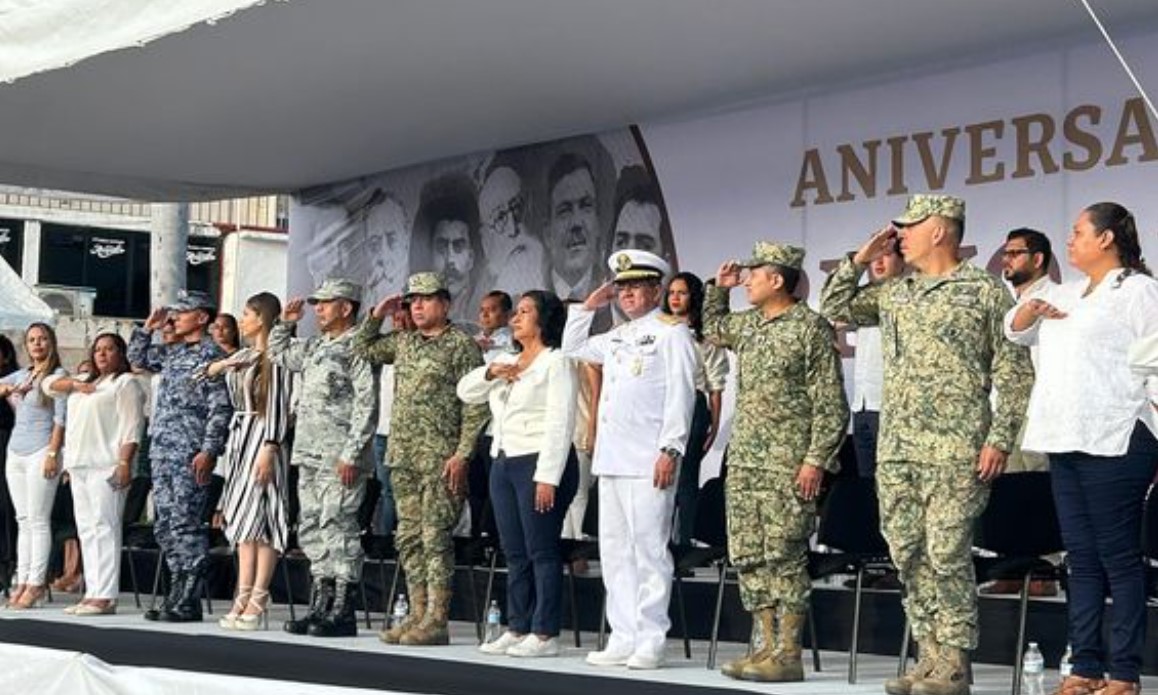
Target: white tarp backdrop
39,35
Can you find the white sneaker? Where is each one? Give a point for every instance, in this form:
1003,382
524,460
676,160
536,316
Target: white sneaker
533,647
501,644
645,662
608,657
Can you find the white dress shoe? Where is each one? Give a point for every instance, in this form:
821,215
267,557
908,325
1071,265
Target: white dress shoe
608,657
645,662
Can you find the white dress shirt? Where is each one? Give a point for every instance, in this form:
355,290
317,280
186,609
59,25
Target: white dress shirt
100,422
1085,396
648,393
385,399
534,414
868,370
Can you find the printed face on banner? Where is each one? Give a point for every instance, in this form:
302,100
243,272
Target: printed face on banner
573,241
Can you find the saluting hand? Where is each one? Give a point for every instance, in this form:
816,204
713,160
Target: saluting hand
728,276
879,244
600,297
387,306
293,309
156,319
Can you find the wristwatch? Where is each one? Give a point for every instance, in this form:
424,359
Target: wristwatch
672,453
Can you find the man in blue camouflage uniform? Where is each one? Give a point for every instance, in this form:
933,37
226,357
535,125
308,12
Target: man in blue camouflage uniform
336,416
189,427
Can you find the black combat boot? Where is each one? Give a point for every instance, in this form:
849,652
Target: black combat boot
341,620
321,596
176,583
187,609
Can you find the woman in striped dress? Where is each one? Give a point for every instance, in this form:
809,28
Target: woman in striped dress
254,501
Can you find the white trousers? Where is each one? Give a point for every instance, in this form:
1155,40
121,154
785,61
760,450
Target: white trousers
99,510
32,497
635,522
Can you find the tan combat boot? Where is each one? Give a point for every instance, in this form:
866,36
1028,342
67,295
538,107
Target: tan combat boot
948,676
417,613
926,659
764,618
784,664
433,629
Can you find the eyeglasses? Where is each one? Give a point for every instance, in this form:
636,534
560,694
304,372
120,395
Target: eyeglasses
508,217
1013,253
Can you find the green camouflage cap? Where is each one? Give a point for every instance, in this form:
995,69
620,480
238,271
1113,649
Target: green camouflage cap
337,288
424,283
771,253
923,205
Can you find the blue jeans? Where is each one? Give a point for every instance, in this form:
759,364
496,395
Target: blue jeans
1099,506
386,518
530,541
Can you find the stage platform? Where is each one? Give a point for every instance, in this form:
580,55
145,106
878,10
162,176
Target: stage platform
132,650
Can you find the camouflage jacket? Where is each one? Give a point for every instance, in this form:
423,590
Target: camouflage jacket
944,353
337,410
790,402
190,414
429,423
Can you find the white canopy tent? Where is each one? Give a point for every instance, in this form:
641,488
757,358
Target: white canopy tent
19,305
158,104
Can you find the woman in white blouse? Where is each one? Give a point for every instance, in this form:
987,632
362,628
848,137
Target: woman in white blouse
532,395
106,413
1090,413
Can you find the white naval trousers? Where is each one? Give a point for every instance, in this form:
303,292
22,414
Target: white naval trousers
99,510
635,522
32,498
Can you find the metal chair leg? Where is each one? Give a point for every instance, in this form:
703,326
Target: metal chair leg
812,639
714,644
602,618
157,579
289,588
683,616
1024,609
133,576
573,595
855,642
905,640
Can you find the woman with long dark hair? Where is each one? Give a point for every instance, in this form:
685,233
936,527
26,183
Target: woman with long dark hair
684,300
33,466
106,413
1090,413
254,501
532,396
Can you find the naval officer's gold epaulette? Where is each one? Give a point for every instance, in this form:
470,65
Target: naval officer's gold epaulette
669,319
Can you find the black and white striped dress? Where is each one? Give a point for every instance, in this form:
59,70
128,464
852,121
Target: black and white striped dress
253,512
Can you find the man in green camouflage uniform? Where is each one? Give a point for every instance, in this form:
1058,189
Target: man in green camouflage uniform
336,416
432,438
940,443
791,416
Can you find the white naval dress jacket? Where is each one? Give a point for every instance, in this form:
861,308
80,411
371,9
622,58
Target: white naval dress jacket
648,391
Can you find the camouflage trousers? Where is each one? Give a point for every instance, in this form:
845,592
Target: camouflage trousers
427,514
768,531
328,524
927,517
180,512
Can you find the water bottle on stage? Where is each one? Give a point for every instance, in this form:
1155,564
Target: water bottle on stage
400,611
494,622
1033,671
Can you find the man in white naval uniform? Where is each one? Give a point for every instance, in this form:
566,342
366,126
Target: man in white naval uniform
645,412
